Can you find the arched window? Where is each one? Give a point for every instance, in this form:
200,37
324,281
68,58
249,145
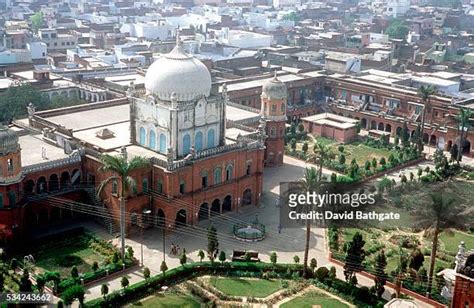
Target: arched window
1,201
182,187
211,138
12,198
198,141
204,179
186,144
217,176
228,172
152,141
162,143
114,187
10,165
145,185
142,140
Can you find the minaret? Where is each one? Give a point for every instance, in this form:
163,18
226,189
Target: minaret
11,172
273,110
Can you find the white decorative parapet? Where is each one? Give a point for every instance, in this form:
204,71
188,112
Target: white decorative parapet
52,164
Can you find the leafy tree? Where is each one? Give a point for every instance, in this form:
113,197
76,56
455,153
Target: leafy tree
200,255
124,282
404,179
2,282
397,29
291,16
382,161
16,98
333,238
425,92
463,119
104,290
40,283
422,274
121,168
183,259
222,256
146,273
130,252
355,255
380,276
74,292
340,148
273,258
416,259
342,159
367,165
163,267
293,144
412,177
95,266
441,214
454,152
212,242
405,135
305,147
296,259
391,158
419,173
60,304
25,282
74,272
37,21
374,163
396,140
301,127
115,257
313,264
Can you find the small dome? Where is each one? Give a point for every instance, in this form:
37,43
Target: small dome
274,89
180,73
8,141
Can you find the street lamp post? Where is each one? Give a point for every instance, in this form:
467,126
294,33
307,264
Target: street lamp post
146,212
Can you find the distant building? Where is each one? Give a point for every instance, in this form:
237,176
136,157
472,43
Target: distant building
329,125
244,39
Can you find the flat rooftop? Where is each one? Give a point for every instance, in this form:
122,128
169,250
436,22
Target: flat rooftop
237,114
259,82
31,150
331,120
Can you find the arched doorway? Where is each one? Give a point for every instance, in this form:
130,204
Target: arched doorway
380,126
227,204
399,131
160,218
373,125
65,180
203,212
247,197
363,123
216,207
433,140
41,185
53,182
180,220
388,128
425,138
29,186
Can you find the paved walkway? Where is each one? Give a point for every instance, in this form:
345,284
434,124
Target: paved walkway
289,243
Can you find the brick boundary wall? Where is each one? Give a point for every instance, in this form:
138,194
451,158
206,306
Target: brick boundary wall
393,286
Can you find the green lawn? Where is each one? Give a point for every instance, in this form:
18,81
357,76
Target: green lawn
168,301
61,254
246,287
309,299
362,153
451,241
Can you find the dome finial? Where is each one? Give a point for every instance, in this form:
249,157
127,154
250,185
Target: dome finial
178,41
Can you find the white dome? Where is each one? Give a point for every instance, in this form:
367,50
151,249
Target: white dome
180,73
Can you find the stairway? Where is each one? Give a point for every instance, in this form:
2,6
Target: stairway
103,218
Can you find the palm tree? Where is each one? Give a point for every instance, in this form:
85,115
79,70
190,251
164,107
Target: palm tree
309,183
425,92
323,153
463,119
441,214
121,168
